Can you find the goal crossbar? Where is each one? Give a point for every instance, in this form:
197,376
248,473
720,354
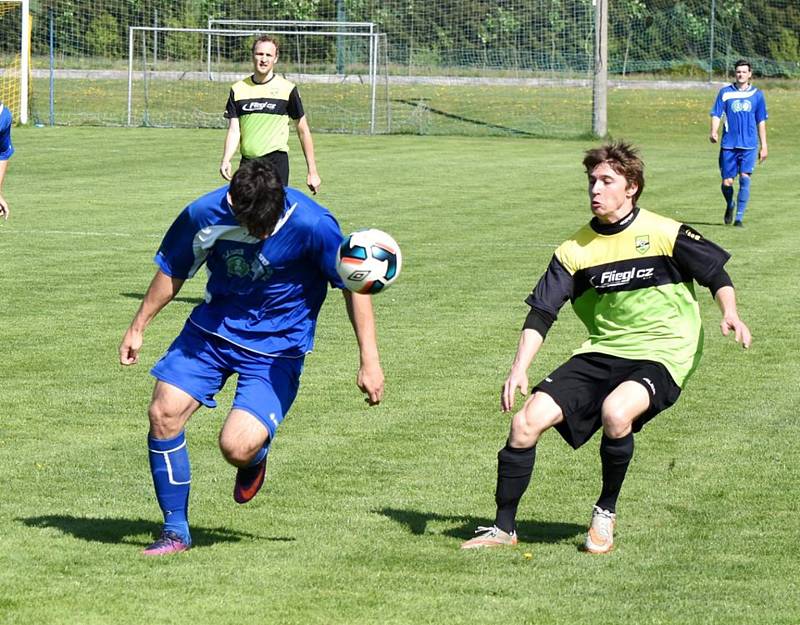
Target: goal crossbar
286,29
368,26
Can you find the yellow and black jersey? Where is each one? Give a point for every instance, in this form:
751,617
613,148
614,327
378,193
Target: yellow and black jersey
264,110
632,286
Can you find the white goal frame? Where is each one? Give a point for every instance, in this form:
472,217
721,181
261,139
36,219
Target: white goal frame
24,59
319,27
370,33
312,27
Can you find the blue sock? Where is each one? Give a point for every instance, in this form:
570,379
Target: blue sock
261,453
172,477
742,197
727,193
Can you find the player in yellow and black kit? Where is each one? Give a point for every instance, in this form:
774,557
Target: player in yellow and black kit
258,111
630,277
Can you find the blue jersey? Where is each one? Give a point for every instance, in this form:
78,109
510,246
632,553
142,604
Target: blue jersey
6,149
743,110
264,296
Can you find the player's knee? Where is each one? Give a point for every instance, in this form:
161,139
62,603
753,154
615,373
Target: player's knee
727,182
235,451
529,424
164,423
616,420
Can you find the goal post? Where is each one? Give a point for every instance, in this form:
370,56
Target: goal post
302,26
188,85
341,29
16,57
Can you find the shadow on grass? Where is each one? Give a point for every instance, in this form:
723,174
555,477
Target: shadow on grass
127,531
185,300
718,224
528,531
468,120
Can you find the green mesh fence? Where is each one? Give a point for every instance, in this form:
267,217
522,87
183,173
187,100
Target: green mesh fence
467,66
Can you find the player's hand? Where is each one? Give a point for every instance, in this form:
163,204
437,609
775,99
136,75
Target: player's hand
225,170
741,333
129,348
313,181
370,381
713,137
4,210
762,155
517,380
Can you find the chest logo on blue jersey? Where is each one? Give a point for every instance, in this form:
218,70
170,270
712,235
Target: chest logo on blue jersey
741,106
238,266
642,243
236,263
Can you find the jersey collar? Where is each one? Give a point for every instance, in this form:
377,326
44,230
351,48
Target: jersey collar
253,79
600,228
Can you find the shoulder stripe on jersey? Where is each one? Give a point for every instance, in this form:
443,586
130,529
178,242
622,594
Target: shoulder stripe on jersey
265,106
204,240
282,221
629,275
738,95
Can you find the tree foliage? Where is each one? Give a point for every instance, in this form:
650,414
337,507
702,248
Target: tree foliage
536,35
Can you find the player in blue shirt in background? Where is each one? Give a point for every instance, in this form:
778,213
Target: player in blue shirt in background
745,112
6,150
270,254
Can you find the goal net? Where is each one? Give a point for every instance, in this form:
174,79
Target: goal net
181,77
15,57
472,67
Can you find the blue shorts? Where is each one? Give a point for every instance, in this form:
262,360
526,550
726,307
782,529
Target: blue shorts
736,161
200,363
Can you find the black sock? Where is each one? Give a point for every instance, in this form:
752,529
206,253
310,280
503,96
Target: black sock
615,454
514,470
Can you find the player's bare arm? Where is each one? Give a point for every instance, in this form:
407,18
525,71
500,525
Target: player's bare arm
4,210
370,374
714,133
726,300
307,143
161,292
762,139
231,144
530,341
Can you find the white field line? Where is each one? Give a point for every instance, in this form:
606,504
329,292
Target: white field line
5,229
71,233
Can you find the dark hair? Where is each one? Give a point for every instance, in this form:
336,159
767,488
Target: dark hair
266,39
257,197
741,62
623,158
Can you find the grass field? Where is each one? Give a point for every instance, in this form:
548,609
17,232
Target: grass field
364,509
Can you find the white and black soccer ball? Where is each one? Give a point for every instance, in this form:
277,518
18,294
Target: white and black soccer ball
368,261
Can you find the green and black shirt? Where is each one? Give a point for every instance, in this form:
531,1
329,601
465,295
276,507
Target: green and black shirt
263,110
632,286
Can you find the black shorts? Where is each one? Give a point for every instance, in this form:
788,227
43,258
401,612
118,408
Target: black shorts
279,161
581,385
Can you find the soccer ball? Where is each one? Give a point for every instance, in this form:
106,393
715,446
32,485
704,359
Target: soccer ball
368,261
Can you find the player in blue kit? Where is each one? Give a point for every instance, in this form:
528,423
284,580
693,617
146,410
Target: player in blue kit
270,254
745,112
6,150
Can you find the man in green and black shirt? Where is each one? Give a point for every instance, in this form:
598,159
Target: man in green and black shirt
258,111
629,275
